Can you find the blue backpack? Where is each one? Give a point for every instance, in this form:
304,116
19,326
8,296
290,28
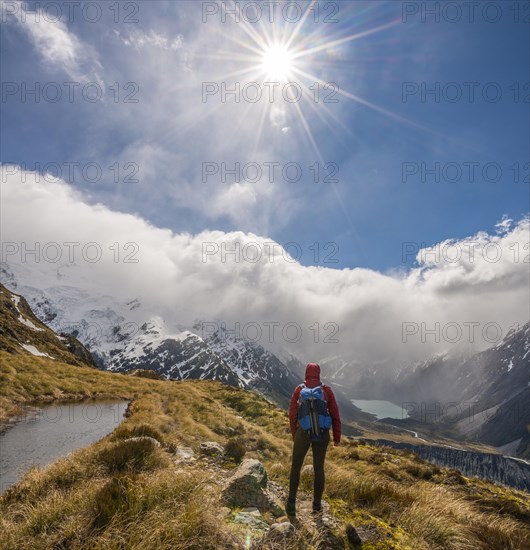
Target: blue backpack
313,414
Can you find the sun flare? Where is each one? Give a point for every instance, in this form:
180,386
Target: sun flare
277,62
296,57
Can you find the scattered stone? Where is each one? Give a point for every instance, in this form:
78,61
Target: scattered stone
326,522
250,519
184,455
248,487
352,535
307,470
279,531
211,448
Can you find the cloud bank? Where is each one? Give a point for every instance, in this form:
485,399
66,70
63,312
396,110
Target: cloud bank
360,314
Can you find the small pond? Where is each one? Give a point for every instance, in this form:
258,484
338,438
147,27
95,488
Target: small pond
51,431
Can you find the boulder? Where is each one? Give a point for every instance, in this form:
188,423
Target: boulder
211,448
248,487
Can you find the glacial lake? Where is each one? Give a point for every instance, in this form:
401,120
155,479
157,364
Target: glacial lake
49,432
381,409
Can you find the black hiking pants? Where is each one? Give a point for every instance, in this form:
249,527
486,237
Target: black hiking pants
301,445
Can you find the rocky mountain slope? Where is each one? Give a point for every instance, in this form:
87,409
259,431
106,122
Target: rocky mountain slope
21,332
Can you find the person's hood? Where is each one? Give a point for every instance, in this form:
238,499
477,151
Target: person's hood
312,375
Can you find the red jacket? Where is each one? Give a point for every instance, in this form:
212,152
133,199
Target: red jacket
312,379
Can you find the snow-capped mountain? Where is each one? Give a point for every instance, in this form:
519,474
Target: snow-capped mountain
487,378
21,333
487,393
254,366
122,336
177,356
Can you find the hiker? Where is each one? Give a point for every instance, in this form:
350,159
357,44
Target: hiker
313,410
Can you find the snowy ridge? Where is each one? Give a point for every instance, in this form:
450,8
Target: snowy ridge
122,336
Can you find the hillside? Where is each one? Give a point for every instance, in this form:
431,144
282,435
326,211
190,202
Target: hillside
162,491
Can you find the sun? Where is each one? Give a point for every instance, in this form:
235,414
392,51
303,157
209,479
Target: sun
277,62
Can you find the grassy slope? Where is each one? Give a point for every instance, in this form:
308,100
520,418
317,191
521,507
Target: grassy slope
117,494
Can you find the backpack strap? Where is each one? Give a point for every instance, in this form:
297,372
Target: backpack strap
301,387
324,395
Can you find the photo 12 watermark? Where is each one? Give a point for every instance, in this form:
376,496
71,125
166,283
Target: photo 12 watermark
270,252
70,12
469,171
467,12
270,11
70,92
269,92
88,412
454,332
269,172
291,332
470,251
465,92
464,412
72,252
75,172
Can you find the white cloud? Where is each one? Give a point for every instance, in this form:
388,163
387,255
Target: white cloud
58,46
139,39
173,280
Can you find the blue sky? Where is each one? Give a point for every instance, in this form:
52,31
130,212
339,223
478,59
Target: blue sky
170,52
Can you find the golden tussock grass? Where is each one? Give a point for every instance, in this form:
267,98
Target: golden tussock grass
122,494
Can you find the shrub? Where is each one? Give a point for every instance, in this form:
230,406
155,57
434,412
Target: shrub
131,455
353,454
235,448
421,471
455,477
126,431
110,500
376,458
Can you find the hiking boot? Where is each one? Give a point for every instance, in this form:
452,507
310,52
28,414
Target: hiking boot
317,507
290,508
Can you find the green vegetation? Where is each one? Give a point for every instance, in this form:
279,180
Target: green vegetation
121,493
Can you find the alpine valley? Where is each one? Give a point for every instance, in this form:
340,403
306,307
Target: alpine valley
123,337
